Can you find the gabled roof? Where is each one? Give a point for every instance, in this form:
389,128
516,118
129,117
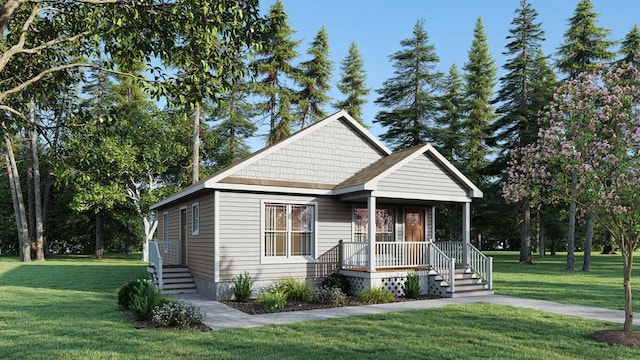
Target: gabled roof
368,178
225,177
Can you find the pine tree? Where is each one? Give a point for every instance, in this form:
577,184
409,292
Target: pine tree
275,64
630,48
585,44
315,77
452,109
353,84
411,95
480,78
520,102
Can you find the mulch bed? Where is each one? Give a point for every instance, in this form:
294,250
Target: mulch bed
148,324
252,307
617,337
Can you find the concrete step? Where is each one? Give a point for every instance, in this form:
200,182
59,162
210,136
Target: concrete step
469,293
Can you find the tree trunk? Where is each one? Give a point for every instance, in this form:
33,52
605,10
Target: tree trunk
540,235
627,247
99,251
37,195
18,202
571,235
554,243
28,161
195,174
586,264
525,237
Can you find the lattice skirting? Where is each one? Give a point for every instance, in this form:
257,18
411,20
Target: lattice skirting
393,283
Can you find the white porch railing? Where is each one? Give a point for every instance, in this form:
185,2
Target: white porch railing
452,249
444,265
155,259
481,264
171,252
401,254
354,255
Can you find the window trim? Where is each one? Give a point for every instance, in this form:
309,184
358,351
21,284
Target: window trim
394,231
264,259
195,218
165,231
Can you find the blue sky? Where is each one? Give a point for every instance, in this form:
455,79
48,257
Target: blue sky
378,26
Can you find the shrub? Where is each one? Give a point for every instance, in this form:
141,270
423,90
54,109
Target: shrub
242,285
177,314
295,289
411,286
330,295
375,295
144,298
339,280
272,299
126,292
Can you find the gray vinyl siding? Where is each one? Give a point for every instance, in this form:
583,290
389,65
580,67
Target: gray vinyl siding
319,157
200,249
240,236
422,175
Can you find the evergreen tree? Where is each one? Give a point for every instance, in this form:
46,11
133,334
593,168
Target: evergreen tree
410,96
452,108
585,44
630,48
520,102
480,78
353,84
315,77
275,65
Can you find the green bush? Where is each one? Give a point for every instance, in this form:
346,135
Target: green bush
375,295
144,298
242,285
125,292
330,295
272,299
411,286
295,289
177,314
339,280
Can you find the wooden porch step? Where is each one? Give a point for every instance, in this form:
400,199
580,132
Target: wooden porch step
176,280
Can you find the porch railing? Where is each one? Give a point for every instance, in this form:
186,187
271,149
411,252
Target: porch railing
481,264
354,255
452,249
444,265
155,259
401,254
171,252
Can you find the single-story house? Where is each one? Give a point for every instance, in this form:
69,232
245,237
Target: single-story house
329,198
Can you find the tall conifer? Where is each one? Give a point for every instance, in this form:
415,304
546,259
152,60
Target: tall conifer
352,84
452,109
630,47
314,78
410,97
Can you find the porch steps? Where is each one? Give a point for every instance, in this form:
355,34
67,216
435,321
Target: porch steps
468,283
176,279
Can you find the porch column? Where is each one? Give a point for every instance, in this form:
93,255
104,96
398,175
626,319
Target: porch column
466,232
371,233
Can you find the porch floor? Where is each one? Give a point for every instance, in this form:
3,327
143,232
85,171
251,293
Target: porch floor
395,269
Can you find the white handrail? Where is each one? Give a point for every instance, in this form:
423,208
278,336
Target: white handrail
156,260
481,264
354,254
391,254
443,265
452,249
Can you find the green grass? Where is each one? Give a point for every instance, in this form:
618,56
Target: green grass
66,308
548,280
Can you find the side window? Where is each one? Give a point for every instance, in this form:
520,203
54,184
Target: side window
195,219
165,231
384,224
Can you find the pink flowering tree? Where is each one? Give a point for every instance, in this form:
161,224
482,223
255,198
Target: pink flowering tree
588,151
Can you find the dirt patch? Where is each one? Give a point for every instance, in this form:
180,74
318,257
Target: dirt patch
252,307
617,337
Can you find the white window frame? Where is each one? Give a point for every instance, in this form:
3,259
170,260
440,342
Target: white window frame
165,231
363,235
195,218
288,258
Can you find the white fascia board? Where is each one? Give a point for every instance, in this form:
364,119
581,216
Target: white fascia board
412,196
363,131
271,189
351,189
178,195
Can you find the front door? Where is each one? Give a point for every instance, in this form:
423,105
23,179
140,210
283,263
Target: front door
183,236
414,232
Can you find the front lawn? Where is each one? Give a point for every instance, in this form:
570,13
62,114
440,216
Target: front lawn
66,308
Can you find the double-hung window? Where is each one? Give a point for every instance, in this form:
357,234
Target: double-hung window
288,230
384,224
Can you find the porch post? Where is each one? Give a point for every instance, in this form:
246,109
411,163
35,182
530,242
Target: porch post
371,233
466,232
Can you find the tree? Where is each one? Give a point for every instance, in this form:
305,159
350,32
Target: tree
585,46
452,110
314,78
480,77
274,63
630,48
411,95
517,125
352,84
589,152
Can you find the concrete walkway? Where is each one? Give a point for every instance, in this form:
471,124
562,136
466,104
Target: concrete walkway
220,316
